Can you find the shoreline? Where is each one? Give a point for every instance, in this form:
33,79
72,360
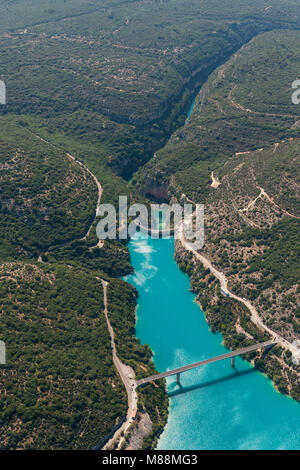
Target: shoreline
226,339
175,417
250,362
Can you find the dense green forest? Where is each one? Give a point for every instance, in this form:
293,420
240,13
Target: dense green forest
81,69
239,153
235,112
55,386
45,197
109,82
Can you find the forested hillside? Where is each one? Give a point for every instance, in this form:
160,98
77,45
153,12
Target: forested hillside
55,386
94,89
244,106
81,69
240,155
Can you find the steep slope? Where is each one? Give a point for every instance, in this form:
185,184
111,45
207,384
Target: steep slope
245,105
105,82
117,78
59,388
55,386
240,154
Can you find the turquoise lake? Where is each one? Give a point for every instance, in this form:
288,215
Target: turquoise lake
217,407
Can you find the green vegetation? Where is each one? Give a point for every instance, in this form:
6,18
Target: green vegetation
244,129
108,82
113,258
46,198
234,113
116,79
279,261
152,398
232,319
59,375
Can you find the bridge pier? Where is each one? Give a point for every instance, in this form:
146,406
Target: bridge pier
265,345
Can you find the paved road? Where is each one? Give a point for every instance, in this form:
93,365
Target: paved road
99,188
127,376
239,352
98,184
255,318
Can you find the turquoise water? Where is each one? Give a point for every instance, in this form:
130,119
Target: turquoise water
190,110
217,408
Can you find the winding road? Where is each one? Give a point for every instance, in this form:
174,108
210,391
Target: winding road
82,165
99,187
126,373
127,376
255,318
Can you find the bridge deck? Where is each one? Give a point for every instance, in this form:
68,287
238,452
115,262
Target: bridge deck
239,352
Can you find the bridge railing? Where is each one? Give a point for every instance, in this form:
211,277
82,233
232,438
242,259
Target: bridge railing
232,354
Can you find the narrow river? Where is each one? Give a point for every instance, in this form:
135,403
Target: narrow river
190,112
217,407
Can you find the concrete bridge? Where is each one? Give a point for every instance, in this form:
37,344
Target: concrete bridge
230,355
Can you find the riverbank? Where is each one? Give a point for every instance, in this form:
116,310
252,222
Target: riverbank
241,402
240,322
237,320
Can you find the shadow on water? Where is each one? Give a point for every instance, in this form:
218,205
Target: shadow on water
191,388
